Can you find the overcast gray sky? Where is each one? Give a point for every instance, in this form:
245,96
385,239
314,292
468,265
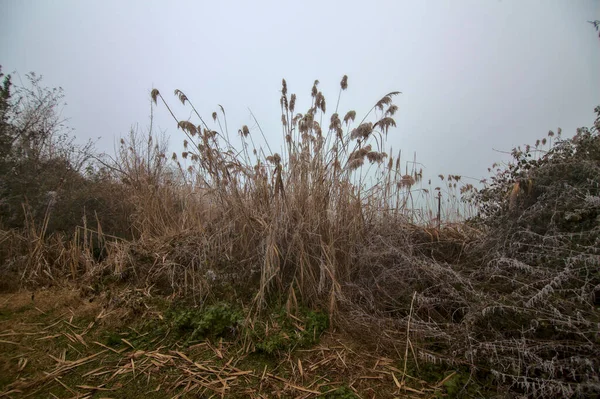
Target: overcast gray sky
475,75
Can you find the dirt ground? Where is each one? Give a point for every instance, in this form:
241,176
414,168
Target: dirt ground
59,343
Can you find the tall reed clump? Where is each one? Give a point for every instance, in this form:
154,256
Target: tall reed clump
296,220
327,222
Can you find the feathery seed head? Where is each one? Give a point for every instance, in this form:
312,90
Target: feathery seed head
214,116
314,90
391,110
363,131
317,129
182,97
385,123
320,102
154,94
386,100
306,122
188,127
406,181
466,188
275,159
208,134
355,163
350,116
292,103
360,153
374,156
334,122
344,82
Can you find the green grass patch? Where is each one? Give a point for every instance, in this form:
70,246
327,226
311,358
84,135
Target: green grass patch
282,333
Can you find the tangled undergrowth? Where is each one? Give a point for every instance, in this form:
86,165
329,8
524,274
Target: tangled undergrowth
509,298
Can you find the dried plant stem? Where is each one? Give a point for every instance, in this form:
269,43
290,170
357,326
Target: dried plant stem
408,343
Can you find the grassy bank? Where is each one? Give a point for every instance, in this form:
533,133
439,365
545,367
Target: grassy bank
63,344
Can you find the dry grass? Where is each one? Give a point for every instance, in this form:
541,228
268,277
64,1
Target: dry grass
332,222
55,345
307,211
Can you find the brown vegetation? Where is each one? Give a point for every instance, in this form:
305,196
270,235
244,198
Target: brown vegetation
335,222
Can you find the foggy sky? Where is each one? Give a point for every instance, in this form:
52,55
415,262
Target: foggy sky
475,75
